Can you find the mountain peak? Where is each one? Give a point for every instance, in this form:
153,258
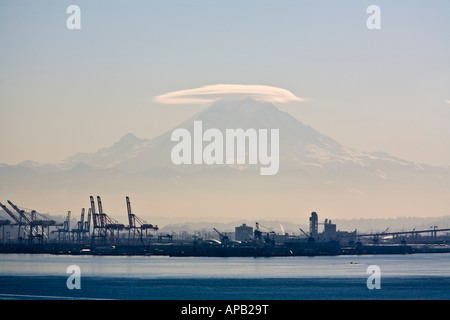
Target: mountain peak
127,146
130,138
244,113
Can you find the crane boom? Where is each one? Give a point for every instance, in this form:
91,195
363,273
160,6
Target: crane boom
81,223
223,238
67,222
18,221
131,221
100,209
100,212
20,212
94,214
92,204
87,224
12,215
271,231
304,232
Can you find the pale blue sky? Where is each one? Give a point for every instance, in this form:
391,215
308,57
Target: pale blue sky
63,92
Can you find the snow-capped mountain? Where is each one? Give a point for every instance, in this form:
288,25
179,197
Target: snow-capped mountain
315,172
301,147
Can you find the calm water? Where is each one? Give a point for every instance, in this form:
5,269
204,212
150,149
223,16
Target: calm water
419,276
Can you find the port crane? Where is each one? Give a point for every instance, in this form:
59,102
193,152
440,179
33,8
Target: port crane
268,239
36,221
137,226
87,224
310,238
103,223
80,227
22,225
98,231
26,221
83,227
109,223
65,230
376,237
223,237
258,234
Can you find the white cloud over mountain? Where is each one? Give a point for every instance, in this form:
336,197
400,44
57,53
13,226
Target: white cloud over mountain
212,93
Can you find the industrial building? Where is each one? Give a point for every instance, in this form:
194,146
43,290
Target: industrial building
243,233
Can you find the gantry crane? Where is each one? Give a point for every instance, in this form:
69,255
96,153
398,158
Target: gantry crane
21,224
137,226
36,221
65,230
98,231
83,227
104,225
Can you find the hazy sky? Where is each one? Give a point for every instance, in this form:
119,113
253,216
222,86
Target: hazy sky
67,91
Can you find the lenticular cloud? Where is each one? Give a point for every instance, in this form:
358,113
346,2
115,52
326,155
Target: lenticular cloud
211,93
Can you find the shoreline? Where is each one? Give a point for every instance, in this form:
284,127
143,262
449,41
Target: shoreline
178,250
